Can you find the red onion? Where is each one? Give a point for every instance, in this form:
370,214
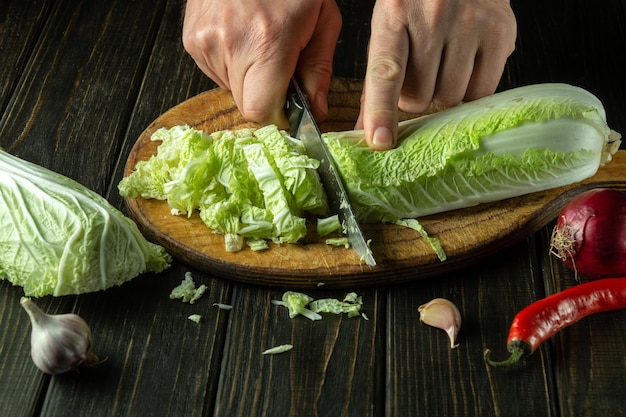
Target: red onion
590,234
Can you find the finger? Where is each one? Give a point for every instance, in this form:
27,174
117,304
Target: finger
214,69
316,59
488,70
387,60
263,90
455,70
209,66
259,79
421,73
493,47
485,78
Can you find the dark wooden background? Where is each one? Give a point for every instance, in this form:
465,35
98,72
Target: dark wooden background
80,80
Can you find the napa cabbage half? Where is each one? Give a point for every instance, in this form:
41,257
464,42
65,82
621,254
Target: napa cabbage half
57,237
512,143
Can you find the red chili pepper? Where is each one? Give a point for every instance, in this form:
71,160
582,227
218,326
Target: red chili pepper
541,320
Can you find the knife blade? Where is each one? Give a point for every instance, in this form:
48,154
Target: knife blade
303,127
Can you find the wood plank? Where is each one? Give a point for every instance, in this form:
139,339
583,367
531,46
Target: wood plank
350,60
156,360
159,362
21,23
425,374
171,77
73,74
334,368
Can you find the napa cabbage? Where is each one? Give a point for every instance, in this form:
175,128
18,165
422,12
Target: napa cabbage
57,237
512,143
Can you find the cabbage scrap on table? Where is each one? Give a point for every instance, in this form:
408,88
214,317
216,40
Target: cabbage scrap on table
258,184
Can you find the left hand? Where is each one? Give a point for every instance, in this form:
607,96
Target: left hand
423,51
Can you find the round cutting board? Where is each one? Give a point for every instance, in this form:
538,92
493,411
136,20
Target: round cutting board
466,235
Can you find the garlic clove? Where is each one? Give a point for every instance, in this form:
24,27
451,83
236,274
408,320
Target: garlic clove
59,343
442,314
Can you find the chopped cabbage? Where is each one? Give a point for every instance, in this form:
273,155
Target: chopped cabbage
328,225
350,305
278,349
196,318
297,303
433,241
246,183
338,241
60,238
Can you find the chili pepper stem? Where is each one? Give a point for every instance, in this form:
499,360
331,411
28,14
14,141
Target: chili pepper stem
516,355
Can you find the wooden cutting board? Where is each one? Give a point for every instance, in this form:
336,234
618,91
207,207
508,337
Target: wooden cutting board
467,235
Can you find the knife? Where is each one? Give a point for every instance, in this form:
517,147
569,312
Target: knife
303,127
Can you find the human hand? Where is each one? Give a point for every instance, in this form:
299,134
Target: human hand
423,51
253,47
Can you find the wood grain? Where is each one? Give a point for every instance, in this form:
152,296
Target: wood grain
467,235
488,302
334,369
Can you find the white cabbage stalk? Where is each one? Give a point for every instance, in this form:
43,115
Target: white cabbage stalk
516,142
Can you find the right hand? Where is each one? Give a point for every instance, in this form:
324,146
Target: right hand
254,47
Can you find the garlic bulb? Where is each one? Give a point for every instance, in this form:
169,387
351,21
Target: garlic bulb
443,314
58,343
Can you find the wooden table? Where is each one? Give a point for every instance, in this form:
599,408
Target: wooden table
80,80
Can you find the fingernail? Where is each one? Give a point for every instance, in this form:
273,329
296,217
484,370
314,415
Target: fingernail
383,139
